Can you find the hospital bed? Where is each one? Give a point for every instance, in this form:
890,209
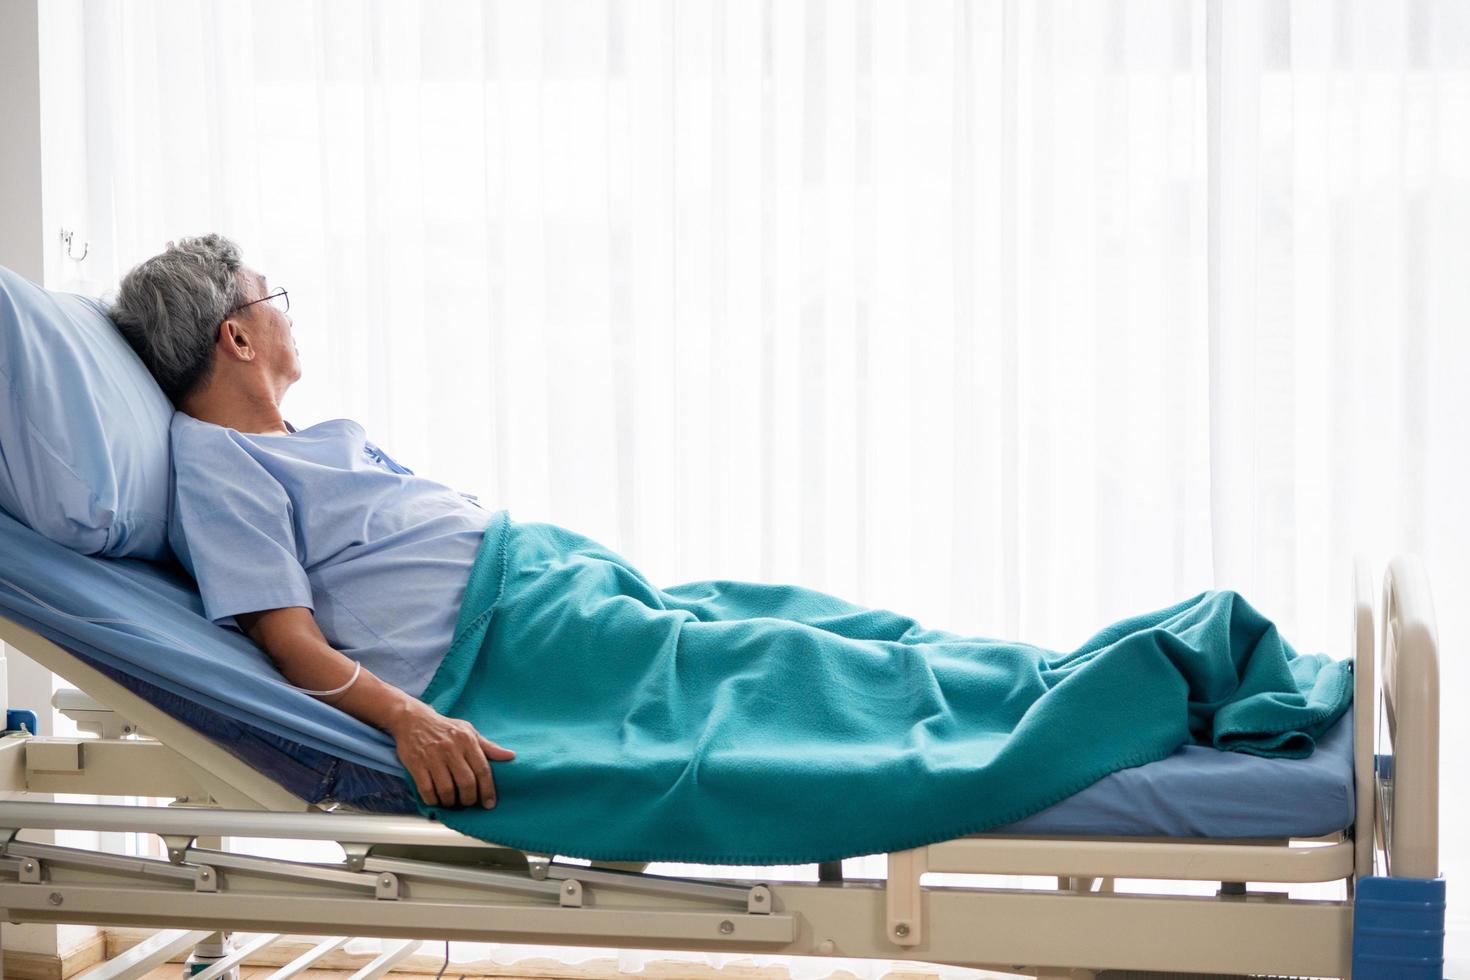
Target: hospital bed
238,759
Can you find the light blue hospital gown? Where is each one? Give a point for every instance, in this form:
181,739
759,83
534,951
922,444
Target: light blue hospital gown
322,518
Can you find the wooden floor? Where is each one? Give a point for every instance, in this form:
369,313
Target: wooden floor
171,971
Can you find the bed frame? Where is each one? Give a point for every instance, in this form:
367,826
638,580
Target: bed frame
409,878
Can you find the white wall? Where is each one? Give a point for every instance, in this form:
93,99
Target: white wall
20,151
40,140
22,236
64,193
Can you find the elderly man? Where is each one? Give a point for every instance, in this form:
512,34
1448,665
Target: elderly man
715,721
341,564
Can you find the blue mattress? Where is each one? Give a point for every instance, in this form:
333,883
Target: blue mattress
220,684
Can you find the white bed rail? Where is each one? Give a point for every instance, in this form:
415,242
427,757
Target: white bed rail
1365,691
1407,765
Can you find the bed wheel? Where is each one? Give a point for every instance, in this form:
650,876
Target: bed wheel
193,965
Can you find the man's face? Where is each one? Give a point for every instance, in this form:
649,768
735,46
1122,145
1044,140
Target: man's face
270,329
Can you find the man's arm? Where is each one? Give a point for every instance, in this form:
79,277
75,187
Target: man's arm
449,760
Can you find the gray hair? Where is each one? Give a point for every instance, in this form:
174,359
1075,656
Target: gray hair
169,309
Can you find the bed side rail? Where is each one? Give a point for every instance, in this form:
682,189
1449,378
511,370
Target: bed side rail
1407,765
1365,657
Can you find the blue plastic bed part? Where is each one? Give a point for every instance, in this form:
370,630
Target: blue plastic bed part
1398,928
20,719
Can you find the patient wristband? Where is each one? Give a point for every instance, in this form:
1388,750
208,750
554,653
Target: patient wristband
356,672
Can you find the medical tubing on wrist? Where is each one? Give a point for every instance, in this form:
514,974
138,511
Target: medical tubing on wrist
112,621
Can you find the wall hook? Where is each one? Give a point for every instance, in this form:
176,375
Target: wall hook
66,239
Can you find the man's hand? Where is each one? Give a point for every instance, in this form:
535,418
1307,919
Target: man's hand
448,759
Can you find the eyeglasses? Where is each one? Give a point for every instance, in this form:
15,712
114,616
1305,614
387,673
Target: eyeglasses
280,299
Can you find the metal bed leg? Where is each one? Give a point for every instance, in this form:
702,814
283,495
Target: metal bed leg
230,963
215,947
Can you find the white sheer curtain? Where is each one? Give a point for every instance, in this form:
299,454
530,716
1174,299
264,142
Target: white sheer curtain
1018,317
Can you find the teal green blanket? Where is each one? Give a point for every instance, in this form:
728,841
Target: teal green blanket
741,723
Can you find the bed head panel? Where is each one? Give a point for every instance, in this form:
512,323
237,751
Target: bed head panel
1364,690
1408,724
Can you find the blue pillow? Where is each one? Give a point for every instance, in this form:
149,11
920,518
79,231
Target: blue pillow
84,431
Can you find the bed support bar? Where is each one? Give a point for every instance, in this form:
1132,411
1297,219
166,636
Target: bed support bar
496,894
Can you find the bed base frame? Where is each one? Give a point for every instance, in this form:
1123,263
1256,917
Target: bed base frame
408,878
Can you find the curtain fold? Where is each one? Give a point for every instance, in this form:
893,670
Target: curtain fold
1018,317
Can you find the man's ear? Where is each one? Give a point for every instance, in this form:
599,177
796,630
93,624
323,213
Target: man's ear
235,340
